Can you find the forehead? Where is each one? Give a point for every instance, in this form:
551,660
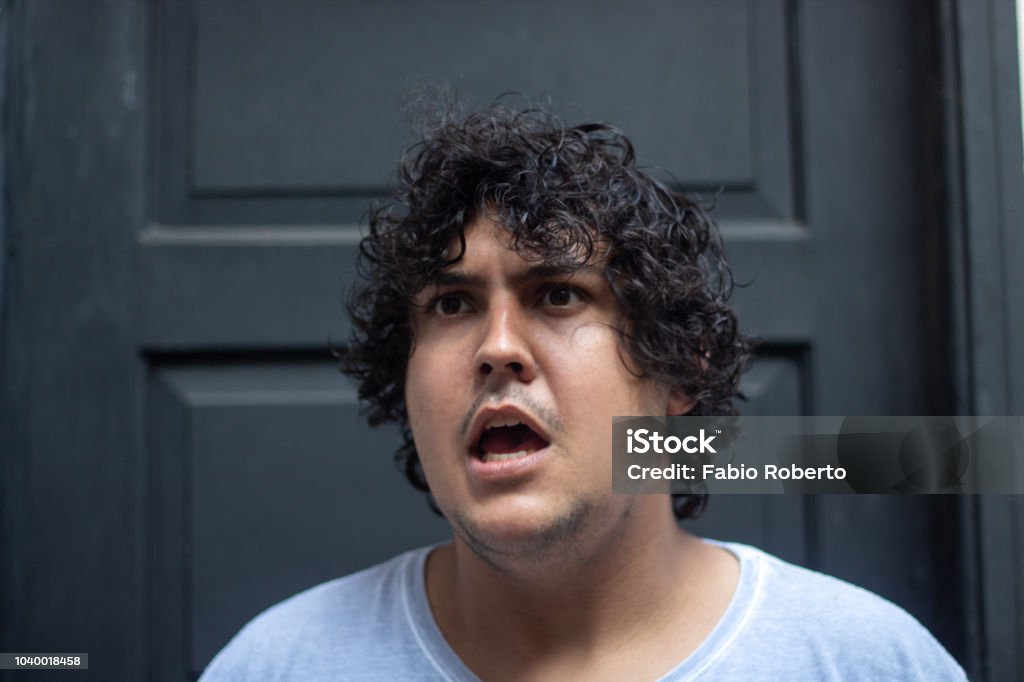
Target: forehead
484,242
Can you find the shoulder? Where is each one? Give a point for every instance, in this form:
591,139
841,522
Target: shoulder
321,629
833,628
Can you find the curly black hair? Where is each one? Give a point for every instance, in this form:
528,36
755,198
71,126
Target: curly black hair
560,192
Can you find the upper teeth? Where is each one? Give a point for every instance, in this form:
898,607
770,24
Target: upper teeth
508,421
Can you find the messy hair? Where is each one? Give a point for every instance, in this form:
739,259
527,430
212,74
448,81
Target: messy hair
563,194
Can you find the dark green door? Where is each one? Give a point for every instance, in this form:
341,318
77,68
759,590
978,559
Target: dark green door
199,173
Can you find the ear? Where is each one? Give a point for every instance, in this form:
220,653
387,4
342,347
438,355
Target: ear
679,404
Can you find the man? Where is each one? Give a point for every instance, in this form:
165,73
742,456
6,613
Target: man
529,284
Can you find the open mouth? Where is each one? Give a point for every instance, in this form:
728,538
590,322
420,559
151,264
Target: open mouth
508,439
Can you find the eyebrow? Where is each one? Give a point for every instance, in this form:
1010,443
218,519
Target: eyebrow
541,271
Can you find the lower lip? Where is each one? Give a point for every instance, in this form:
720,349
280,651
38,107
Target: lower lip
506,468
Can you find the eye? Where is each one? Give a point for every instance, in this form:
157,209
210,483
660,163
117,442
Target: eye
450,304
561,295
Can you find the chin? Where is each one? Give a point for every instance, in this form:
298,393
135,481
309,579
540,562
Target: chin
524,531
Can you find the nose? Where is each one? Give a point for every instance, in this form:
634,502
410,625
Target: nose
504,351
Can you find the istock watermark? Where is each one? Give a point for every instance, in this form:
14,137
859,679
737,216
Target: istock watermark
841,455
652,441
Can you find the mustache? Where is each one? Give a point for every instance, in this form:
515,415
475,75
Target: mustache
517,396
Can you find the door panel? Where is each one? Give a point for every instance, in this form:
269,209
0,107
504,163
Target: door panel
278,112
268,483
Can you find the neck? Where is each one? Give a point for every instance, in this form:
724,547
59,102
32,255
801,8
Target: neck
592,599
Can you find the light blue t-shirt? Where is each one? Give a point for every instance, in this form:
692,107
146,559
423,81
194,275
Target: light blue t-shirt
784,622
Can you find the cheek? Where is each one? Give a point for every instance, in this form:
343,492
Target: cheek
430,386
592,355
417,398
597,368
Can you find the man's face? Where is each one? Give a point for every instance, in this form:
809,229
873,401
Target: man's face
512,384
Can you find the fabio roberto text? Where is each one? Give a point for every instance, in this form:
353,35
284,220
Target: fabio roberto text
729,472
